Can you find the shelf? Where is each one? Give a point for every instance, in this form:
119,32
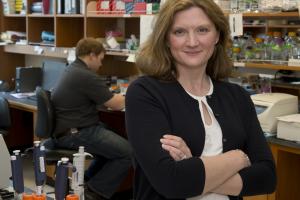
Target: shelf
94,14
114,53
70,15
57,52
254,26
267,66
284,26
272,15
40,15
15,15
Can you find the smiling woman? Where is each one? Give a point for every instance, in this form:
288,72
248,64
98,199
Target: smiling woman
194,135
192,40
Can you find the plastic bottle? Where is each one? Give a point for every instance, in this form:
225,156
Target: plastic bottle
248,5
271,5
236,49
258,49
277,46
248,46
255,6
289,5
267,46
289,45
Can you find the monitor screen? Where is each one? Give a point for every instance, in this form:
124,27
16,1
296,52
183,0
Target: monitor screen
52,71
260,109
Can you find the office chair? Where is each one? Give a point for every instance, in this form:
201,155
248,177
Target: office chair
45,126
5,118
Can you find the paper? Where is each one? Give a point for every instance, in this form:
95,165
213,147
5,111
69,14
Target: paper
236,24
290,118
146,27
38,50
71,56
131,58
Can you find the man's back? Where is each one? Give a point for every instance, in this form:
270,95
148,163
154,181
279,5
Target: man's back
76,96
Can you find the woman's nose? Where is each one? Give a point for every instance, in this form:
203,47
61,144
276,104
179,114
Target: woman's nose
192,39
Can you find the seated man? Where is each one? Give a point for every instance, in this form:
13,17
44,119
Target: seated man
78,93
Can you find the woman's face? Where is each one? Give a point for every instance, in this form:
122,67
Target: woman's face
192,38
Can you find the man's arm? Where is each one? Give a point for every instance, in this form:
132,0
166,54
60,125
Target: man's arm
117,102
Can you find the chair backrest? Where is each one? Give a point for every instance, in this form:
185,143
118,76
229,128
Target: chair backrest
45,114
5,120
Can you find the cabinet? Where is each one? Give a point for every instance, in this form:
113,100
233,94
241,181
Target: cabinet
283,22
10,61
68,30
270,22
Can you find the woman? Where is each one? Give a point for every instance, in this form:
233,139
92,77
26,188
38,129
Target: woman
194,136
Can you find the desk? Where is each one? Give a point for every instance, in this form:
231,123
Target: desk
287,159
23,114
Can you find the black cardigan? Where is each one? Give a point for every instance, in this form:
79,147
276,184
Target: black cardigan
155,108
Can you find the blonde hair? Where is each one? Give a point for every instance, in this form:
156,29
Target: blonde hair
86,46
155,59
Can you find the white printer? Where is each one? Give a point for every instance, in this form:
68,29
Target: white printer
271,105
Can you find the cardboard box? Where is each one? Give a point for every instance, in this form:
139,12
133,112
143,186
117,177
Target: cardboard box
288,127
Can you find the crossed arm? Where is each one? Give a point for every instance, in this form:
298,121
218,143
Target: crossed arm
221,170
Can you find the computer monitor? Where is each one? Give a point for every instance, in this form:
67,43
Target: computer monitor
5,168
52,71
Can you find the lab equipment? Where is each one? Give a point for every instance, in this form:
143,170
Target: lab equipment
17,174
39,166
271,105
289,127
78,174
61,179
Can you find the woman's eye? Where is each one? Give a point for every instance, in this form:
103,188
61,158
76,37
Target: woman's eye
179,32
202,30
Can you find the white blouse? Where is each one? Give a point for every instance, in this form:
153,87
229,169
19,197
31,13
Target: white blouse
213,140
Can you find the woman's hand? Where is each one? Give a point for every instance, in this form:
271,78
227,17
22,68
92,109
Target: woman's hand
176,147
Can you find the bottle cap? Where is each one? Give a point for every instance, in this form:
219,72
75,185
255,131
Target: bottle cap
27,196
81,149
36,143
72,197
64,159
16,152
258,40
292,34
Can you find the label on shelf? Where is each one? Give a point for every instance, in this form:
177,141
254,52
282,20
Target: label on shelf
131,58
294,62
239,64
236,24
38,49
127,15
